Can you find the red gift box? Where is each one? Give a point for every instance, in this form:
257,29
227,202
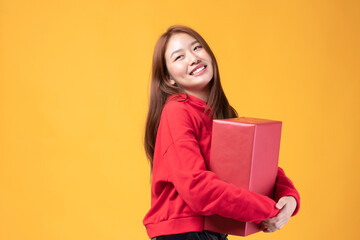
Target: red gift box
244,152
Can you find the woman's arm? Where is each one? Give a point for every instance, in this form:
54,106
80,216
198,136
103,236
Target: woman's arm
288,200
287,206
285,187
201,189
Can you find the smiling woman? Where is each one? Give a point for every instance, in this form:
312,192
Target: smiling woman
189,65
186,95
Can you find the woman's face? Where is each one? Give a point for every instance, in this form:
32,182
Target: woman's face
189,65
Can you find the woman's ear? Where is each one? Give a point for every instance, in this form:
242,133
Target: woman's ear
172,82
170,79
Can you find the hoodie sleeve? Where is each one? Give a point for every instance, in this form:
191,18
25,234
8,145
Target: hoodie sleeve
284,187
201,189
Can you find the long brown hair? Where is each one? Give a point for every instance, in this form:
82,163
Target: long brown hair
161,88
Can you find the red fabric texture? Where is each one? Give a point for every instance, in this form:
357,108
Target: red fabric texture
183,190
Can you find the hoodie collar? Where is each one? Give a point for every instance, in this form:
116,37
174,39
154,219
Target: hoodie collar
191,98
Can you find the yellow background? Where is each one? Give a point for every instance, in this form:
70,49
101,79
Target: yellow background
74,81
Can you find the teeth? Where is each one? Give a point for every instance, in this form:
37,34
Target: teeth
198,70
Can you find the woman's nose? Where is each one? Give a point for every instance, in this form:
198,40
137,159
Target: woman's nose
194,59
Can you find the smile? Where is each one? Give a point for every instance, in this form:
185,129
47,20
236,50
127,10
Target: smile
198,70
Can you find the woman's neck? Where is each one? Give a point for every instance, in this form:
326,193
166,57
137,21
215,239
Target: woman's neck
203,95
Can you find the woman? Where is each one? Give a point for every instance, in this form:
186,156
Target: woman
186,95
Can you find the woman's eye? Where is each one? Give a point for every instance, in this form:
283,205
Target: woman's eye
178,57
199,46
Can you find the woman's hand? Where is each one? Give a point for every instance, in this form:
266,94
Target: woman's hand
287,206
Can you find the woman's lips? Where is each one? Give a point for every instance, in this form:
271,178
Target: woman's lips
200,72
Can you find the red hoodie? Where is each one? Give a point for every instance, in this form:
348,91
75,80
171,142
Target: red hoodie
183,191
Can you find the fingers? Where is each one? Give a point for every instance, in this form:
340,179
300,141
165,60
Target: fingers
263,227
272,227
275,223
283,213
281,203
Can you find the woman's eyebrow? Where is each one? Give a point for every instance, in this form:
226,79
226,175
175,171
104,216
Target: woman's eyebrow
182,49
